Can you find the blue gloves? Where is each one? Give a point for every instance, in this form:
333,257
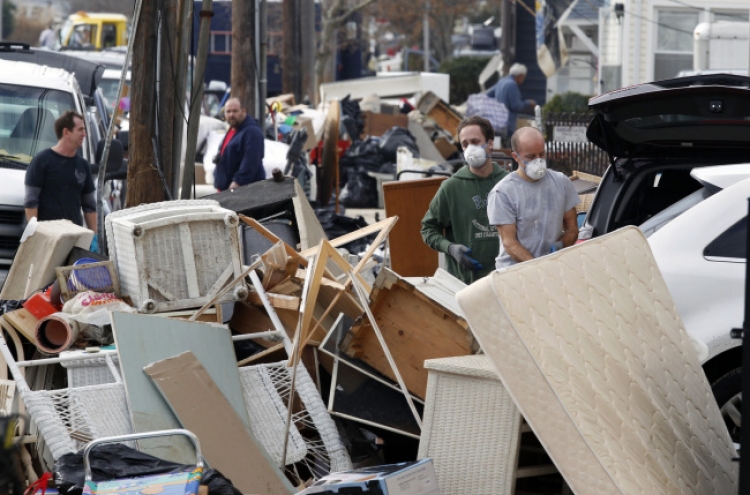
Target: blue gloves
460,254
94,248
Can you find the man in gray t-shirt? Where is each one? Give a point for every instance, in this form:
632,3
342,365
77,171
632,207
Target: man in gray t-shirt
533,208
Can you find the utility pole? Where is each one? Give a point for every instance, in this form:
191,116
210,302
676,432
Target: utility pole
308,40
181,49
292,56
244,62
298,64
426,35
188,176
166,90
508,34
144,182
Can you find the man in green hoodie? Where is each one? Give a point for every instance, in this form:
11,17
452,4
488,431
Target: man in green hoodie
456,223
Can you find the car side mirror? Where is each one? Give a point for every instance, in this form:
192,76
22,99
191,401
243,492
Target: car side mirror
115,158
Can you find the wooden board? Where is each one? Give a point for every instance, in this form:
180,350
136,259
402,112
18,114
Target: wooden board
409,201
142,340
443,114
414,327
376,124
24,322
203,409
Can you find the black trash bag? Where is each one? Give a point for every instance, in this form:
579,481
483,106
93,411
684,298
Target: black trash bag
108,462
360,190
349,108
336,225
393,138
365,153
218,484
118,461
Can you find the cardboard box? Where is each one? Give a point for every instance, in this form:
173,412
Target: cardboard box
376,124
407,478
445,147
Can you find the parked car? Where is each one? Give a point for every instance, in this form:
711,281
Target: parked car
678,151
32,97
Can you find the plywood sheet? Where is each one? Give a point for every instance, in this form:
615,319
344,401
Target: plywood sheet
142,340
204,410
588,343
414,327
409,201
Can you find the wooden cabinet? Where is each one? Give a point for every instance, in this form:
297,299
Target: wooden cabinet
409,200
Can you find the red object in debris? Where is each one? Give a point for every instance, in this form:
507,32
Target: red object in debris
40,304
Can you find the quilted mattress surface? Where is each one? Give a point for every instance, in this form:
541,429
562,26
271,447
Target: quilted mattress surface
588,343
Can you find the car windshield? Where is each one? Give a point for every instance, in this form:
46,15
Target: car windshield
109,88
27,120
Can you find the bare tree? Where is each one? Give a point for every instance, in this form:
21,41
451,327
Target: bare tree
335,15
443,16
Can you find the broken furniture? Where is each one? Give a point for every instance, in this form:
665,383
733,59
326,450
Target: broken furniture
360,393
268,200
589,344
419,320
266,388
46,247
409,201
473,430
443,114
69,418
175,254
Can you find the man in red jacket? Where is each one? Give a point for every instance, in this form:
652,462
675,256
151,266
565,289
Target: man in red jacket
240,159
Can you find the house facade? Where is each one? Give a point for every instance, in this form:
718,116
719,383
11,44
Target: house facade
617,43
651,40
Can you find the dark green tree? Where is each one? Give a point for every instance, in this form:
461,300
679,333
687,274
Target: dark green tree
464,72
567,102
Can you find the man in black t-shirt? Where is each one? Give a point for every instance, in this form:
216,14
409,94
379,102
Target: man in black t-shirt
58,181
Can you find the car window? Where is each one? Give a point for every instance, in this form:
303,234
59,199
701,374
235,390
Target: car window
668,214
27,119
732,243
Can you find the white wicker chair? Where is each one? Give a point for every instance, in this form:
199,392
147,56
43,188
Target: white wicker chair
266,389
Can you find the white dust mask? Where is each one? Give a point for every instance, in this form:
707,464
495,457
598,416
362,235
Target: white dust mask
475,155
536,169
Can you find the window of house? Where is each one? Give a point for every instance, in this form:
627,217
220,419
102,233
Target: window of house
674,42
221,42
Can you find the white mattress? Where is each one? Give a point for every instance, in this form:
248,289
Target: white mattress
588,343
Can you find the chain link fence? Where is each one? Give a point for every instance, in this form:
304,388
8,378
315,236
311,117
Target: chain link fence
568,150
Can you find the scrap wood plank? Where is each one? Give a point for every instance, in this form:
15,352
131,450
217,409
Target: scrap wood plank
414,328
277,300
325,253
24,322
277,266
203,409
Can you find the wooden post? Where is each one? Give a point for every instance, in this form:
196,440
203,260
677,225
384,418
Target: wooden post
166,104
244,60
307,54
144,184
291,57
